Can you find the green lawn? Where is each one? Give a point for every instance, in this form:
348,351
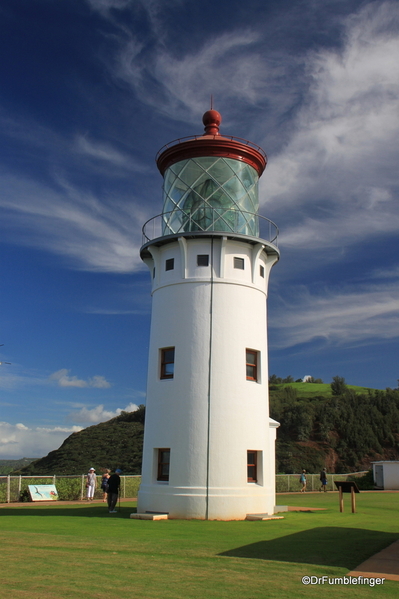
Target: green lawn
308,390
82,551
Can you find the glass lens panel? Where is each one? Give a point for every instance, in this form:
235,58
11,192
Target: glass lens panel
169,355
250,357
251,457
208,193
251,472
165,457
169,369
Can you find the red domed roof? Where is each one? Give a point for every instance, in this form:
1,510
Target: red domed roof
211,143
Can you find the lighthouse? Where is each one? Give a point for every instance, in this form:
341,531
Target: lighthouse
209,443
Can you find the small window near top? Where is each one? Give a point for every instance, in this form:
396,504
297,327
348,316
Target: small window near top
167,362
170,264
239,263
153,273
252,364
163,464
262,271
202,260
252,475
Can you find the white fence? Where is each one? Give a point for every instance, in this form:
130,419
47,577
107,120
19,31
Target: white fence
73,487
290,483
69,488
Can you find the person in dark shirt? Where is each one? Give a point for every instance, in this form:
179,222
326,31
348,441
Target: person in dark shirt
323,480
114,482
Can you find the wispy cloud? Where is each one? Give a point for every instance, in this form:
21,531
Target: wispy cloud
89,233
88,416
106,153
17,440
65,380
336,180
348,316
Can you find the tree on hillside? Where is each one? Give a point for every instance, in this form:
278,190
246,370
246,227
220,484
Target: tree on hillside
338,386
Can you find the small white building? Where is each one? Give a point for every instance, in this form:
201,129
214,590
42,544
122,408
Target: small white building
386,475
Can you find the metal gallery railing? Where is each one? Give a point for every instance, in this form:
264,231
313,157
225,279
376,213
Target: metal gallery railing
210,220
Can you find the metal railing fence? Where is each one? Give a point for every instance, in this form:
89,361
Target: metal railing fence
69,487
290,483
73,487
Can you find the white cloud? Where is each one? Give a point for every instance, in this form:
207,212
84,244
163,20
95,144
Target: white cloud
71,223
65,380
104,152
336,180
17,441
228,66
98,414
348,316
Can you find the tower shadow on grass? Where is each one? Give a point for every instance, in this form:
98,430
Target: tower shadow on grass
87,511
327,546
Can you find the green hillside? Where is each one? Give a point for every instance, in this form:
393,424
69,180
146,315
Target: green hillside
8,466
343,432
117,443
309,390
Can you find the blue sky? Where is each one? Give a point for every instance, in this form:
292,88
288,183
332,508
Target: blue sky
90,90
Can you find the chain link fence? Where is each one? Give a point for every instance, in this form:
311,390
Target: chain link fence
290,483
73,487
69,488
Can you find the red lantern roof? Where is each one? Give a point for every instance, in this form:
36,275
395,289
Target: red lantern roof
211,143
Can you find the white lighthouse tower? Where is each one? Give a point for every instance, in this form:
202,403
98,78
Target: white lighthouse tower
209,444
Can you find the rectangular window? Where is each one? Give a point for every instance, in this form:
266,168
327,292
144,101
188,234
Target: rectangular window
167,362
163,464
170,264
252,358
252,466
239,263
262,271
202,260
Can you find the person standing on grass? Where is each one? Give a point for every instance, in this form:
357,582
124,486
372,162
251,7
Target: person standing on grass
104,483
114,483
91,484
323,480
302,479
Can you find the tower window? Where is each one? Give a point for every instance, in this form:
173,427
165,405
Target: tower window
252,358
239,263
163,464
167,362
262,271
252,475
170,264
202,260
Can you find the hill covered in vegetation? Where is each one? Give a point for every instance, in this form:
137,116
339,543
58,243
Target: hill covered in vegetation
343,432
8,466
343,428
117,443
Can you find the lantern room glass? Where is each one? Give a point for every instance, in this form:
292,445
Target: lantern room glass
211,194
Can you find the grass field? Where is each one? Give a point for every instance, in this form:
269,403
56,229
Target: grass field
68,551
308,390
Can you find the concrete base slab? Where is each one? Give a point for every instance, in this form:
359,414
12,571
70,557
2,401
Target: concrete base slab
280,508
263,517
149,516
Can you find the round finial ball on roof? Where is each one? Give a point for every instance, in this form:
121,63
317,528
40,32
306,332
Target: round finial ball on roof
212,120
212,117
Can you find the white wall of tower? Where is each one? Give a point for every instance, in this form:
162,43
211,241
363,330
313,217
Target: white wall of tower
209,414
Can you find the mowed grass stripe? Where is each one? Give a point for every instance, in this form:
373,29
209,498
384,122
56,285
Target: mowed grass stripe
71,551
